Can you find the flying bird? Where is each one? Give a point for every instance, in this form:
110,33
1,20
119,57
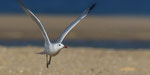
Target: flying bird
52,49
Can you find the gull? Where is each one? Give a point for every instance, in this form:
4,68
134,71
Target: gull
52,49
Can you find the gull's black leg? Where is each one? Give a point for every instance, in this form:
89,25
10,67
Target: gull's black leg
47,61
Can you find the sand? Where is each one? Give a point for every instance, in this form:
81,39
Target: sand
75,61
21,27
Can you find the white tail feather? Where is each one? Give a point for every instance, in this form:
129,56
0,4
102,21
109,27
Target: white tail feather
42,53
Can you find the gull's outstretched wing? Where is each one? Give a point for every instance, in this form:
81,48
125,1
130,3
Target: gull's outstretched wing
47,41
71,26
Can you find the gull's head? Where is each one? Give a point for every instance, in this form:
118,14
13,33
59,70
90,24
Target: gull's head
59,46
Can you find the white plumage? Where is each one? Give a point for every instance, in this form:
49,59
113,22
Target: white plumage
52,49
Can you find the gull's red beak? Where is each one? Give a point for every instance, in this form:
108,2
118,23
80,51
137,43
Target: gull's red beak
65,46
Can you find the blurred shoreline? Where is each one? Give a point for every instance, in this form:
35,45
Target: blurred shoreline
109,44
21,27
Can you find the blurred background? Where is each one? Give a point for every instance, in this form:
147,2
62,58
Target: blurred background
111,24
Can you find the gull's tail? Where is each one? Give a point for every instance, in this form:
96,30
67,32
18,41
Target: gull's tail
41,53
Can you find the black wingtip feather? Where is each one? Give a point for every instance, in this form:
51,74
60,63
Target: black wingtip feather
92,6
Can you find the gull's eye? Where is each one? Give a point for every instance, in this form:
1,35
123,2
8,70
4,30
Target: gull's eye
59,45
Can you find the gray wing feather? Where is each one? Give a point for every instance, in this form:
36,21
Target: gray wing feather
71,26
47,41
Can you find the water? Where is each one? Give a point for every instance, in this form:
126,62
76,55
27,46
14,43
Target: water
77,6
116,44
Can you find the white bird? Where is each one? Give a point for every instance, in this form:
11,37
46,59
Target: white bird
52,49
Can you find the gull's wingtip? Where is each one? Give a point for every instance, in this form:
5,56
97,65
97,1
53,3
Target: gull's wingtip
21,4
92,6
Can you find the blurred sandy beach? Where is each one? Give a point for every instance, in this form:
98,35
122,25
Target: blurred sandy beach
91,28
75,61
